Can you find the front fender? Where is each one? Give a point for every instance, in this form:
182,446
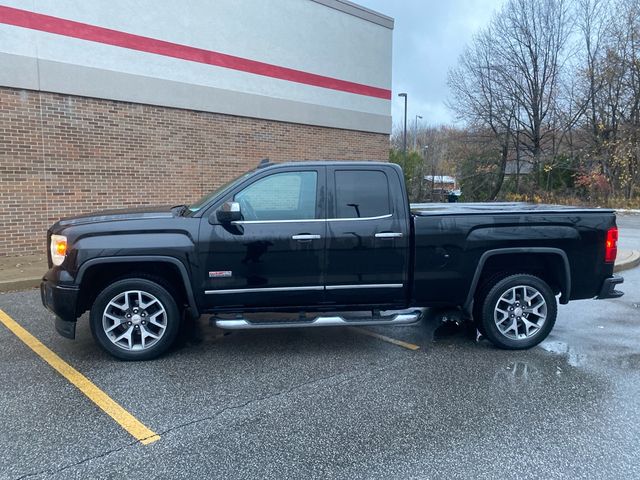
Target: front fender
182,268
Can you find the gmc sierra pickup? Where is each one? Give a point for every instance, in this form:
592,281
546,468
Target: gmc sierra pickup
318,238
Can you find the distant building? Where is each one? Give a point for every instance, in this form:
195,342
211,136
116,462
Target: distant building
442,188
524,167
443,182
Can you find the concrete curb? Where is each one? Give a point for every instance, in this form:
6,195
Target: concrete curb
19,284
20,273
631,259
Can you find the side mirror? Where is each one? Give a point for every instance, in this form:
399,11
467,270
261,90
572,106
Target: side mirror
228,212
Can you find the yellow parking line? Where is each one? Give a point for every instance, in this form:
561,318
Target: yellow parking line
82,383
400,343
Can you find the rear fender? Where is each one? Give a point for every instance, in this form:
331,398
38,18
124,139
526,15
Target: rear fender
565,287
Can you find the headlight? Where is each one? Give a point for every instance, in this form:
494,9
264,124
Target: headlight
58,249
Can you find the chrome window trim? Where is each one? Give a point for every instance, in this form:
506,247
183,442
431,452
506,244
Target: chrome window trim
243,222
371,285
263,290
379,217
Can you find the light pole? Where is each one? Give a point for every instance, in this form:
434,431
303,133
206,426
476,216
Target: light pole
415,133
424,160
433,175
404,135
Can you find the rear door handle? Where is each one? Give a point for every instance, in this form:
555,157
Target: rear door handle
389,235
303,238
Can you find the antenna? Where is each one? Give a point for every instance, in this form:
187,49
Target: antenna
264,163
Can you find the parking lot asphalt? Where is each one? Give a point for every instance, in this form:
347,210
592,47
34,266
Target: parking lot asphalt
335,403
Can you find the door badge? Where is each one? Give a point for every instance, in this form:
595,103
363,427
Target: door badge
220,274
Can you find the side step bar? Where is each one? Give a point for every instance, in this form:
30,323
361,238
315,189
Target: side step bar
403,318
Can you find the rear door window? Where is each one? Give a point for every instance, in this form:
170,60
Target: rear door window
361,194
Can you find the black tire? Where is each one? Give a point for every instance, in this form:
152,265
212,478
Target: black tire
165,300
489,302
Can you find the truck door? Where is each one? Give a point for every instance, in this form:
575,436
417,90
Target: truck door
274,256
368,237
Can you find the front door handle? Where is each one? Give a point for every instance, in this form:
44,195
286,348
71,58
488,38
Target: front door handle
389,235
305,237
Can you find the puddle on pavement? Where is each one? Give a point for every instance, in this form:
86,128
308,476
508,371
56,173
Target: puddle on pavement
574,358
558,347
631,361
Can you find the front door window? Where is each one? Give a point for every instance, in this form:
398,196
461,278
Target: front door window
282,196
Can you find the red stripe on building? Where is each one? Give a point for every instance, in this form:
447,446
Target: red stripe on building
107,36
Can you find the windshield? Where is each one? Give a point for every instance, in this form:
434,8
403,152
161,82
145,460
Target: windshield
211,195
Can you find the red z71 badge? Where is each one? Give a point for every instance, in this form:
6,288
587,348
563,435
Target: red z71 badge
220,274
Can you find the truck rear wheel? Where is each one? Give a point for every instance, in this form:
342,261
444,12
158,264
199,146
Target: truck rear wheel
518,311
135,319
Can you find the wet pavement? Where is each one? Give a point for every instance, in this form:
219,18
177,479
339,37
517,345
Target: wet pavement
335,403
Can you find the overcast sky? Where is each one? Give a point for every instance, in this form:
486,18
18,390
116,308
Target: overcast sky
428,37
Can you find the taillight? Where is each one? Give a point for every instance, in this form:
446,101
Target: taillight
611,245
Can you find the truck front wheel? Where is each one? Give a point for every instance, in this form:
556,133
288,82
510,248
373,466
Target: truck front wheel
135,319
518,311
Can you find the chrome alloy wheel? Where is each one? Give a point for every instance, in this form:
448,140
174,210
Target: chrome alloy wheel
134,320
520,312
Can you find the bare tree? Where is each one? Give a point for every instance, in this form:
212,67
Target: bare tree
592,20
530,39
480,99
615,111
555,83
509,79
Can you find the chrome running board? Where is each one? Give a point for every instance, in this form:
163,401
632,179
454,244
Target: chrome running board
400,318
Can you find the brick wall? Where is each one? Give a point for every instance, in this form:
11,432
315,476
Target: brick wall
62,155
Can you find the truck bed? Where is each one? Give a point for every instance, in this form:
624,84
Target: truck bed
428,209
452,241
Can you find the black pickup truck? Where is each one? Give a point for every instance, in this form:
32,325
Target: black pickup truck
328,241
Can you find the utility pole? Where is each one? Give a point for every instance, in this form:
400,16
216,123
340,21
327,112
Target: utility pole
404,134
415,133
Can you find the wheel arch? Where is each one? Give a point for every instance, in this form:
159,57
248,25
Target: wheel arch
497,257
167,268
